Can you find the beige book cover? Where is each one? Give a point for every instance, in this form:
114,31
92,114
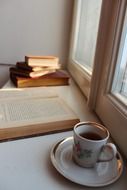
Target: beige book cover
41,60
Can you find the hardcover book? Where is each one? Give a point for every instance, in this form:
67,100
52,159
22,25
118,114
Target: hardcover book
60,77
25,66
41,60
26,73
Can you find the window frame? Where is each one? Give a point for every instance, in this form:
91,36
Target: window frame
97,88
80,74
112,112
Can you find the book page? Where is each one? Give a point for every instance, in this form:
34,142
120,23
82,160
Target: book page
14,93
23,112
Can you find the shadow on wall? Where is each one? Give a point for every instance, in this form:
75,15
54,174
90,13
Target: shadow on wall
4,74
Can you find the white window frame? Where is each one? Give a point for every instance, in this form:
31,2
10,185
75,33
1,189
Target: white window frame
97,89
119,84
81,74
112,112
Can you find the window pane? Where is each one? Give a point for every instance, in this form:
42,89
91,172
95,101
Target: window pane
87,32
119,88
124,83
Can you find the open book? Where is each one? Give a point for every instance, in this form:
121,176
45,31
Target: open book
32,115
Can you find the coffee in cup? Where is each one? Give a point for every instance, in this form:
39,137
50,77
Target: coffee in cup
90,144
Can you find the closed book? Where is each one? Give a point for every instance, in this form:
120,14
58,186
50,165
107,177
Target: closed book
25,66
60,77
33,74
41,61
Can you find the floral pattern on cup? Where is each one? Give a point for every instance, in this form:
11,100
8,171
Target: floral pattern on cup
85,153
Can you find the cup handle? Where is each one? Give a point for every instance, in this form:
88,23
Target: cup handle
108,152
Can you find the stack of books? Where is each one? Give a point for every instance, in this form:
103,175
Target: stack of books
38,71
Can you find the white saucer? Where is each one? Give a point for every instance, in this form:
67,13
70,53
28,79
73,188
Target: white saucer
101,175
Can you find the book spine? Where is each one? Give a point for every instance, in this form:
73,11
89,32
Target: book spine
23,65
21,73
13,79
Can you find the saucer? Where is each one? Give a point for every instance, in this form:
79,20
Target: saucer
104,173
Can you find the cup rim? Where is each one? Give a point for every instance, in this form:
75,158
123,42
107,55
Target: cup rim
93,124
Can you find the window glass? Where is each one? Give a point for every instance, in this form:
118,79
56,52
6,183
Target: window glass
87,33
119,87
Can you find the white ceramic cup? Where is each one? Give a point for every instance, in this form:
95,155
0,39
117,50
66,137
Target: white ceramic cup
90,144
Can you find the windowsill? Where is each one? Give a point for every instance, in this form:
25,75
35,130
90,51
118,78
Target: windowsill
30,156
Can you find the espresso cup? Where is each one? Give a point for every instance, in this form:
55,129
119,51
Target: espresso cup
90,144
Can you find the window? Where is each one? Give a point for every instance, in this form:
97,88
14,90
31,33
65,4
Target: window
87,33
119,86
103,77
84,37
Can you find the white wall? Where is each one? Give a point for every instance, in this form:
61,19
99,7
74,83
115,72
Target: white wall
38,27
4,74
